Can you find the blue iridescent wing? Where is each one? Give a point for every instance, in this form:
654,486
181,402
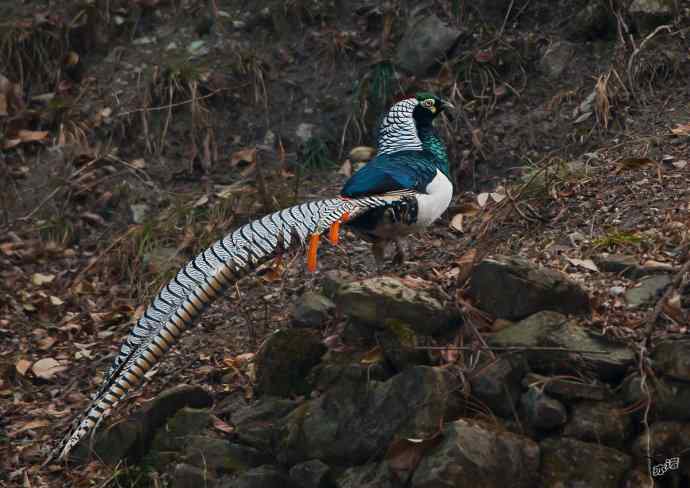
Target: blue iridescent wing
404,170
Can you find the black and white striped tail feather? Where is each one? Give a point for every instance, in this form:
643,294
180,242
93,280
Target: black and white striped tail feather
196,285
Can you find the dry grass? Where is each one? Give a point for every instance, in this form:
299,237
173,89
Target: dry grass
32,51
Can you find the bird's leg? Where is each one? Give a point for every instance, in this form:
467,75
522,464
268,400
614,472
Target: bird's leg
378,248
399,257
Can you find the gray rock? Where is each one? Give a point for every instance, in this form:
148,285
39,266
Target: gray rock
628,266
557,58
608,359
475,453
671,399
498,384
617,263
354,420
269,138
219,456
265,409
667,440
599,422
592,22
333,280
425,43
284,361
649,14
638,476
304,132
616,291
513,288
311,474
132,436
313,310
257,424
648,291
359,335
568,389
186,476
172,400
631,390
372,475
115,443
374,300
493,8
541,411
266,476
139,212
186,422
569,462
347,366
399,343
672,358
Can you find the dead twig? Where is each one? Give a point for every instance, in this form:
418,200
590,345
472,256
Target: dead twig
510,349
261,185
643,367
40,205
637,50
679,278
512,200
170,105
100,257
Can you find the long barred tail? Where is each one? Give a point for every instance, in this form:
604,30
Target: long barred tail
200,282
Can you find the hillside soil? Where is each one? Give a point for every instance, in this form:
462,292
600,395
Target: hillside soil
134,134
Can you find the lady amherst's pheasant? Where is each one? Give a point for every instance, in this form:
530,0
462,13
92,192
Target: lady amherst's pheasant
404,189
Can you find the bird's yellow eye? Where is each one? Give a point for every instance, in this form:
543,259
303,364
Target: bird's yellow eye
428,103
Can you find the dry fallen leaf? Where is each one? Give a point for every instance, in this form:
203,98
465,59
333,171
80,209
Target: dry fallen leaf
673,309
203,200
374,355
23,366
244,358
632,163
222,426
681,130
404,455
499,194
47,368
456,222
482,198
416,283
334,342
32,135
469,209
362,153
274,273
33,424
465,263
583,263
39,279
228,191
245,156
46,343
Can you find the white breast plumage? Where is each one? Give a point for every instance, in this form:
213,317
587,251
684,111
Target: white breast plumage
436,200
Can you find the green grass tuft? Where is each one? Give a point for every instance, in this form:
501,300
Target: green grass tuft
316,155
617,239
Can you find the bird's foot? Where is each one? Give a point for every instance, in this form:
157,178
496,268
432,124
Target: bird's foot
378,248
399,258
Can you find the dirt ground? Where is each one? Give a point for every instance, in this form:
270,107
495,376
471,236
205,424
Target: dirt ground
133,134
